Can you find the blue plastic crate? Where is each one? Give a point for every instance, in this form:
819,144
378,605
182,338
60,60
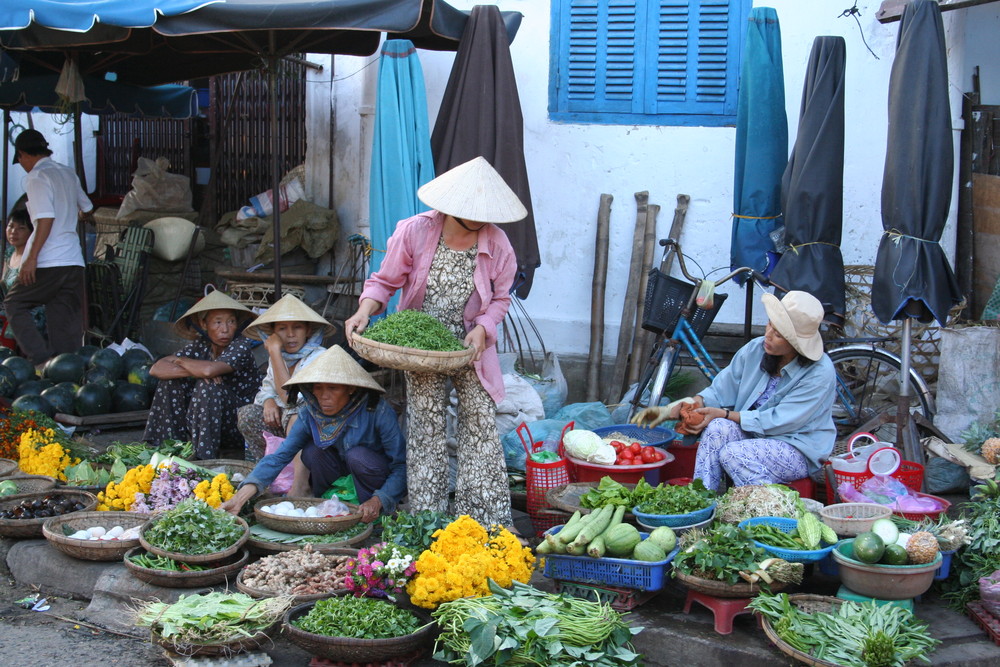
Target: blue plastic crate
786,525
622,572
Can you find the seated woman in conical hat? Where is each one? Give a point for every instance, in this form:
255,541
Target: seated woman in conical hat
346,427
292,333
203,384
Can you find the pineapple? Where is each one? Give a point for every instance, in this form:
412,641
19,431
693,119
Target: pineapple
991,451
922,548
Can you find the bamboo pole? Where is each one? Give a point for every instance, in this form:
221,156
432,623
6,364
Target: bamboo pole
641,346
598,289
627,326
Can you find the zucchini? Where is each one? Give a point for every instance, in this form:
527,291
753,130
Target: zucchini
596,548
594,528
569,532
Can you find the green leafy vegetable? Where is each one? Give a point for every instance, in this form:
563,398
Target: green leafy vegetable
84,474
412,328
414,529
151,562
211,618
719,553
608,492
360,618
194,528
670,499
133,454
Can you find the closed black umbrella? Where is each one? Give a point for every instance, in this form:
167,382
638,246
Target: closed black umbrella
813,185
913,278
480,114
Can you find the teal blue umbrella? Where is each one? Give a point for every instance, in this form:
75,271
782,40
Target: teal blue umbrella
761,143
401,152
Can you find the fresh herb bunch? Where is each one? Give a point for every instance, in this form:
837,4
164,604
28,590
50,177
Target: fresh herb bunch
211,618
414,530
359,618
412,328
670,499
194,528
526,626
982,555
718,553
608,492
139,453
856,635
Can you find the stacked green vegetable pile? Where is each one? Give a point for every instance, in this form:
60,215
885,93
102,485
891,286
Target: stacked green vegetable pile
982,555
193,528
659,499
602,532
809,534
525,626
211,618
358,618
414,530
412,328
727,553
856,635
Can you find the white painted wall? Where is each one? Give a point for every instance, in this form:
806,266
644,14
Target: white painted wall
571,165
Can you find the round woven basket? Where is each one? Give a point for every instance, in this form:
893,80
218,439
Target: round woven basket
229,466
199,558
7,467
316,525
410,358
242,645
196,579
809,604
852,519
350,650
260,593
109,550
722,589
266,548
36,483
567,497
33,527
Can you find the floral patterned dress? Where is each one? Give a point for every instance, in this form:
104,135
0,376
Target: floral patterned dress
481,491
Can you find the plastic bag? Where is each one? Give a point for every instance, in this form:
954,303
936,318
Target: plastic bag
884,490
943,476
332,507
283,482
989,592
587,416
551,386
343,488
154,189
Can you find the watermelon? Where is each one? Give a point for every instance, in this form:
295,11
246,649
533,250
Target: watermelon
87,351
92,399
110,361
99,376
60,398
130,397
32,388
33,403
868,548
8,382
5,352
22,368
69,386
139,375
135,356
66,367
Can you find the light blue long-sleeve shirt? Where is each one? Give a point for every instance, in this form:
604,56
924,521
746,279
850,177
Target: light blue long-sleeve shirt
800,412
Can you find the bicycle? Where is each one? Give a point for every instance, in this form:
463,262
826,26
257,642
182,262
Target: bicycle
867,375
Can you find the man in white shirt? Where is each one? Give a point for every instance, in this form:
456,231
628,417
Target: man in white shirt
52,269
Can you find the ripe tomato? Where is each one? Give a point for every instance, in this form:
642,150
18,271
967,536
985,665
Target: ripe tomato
635,448
618,445
648,455
622,460
659,455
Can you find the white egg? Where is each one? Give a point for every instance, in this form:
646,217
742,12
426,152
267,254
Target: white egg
298,512
130,534
311,511
116,531
107,537
96,531
80,535
285,505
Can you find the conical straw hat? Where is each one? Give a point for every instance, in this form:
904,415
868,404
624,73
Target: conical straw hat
473,191
216,300
335,366
288,308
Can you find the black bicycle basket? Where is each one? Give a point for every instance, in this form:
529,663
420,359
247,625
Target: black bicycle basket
666,297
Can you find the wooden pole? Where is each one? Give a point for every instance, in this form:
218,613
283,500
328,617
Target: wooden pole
598,288
639,350
626,329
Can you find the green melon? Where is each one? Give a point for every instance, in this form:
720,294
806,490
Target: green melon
22,368
895,555
868,548
69,386
5,352
135,356
139,374
130,397
60,398
649,551
8,382
32,388
92,399
100,376
66,367
87,351
33,403
110,361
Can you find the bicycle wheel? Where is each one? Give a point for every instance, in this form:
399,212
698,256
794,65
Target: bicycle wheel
868,384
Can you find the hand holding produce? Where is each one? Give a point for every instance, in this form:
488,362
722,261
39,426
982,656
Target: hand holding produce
656,415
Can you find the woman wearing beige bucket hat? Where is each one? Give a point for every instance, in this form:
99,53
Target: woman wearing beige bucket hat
203,384
345,428
292,333
456,264
768,416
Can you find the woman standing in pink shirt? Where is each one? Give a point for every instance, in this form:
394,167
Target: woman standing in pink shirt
454,263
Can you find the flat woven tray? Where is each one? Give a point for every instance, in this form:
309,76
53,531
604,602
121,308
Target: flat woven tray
319,525
266,547
199,558
7,467
810,604
722,589
33,527
109,550
35,483
260,593
567,497
410,358
227,570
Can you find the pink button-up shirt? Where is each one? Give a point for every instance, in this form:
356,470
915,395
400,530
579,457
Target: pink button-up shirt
407,263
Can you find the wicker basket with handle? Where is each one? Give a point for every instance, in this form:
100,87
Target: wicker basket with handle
410,358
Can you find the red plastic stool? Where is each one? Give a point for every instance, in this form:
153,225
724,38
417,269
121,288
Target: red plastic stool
805,486
723,609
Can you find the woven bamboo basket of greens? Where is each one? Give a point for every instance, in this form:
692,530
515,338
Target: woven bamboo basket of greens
33,527
312,525
260,593
55,528
226,569
194,558
259,640
262,547
35,483
723,589
810,604
350,650
411,358
7,467
229,466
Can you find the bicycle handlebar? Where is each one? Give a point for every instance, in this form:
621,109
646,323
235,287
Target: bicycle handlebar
673,244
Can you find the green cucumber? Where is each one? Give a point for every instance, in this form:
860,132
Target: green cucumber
596,547
594,528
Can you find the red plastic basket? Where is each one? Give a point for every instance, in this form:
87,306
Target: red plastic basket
910,473
540,478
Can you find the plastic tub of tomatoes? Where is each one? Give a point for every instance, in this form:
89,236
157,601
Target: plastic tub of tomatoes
638,451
